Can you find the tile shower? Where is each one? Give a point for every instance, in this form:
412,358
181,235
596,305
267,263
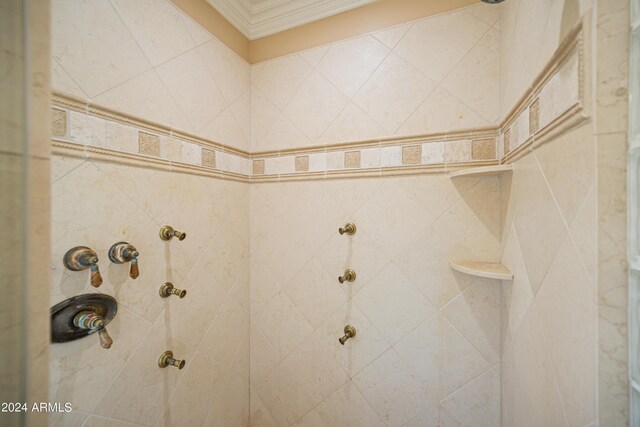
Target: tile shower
155,121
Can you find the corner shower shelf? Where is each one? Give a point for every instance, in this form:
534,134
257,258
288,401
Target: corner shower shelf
483,171
489,270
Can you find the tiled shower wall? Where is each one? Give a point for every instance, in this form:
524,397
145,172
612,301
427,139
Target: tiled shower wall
565,316
97,204
428,343
429,338
145,58
148,59
433,75
549,323
530,32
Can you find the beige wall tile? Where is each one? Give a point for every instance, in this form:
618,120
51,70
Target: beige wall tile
612,279
91,37
370,158
148,144
561,91
475,313
365,51
86,130
394,79
457,151
411,154
146,96
208,158
148,24
613,77
483,149
390,156
395,393
58,122
460,30
441,112
317,162
171,149
321,96
258,167
394,305
352,159
121,137
302,163
422,352
507,141
191,153
433,153
473,80
335,160
534,116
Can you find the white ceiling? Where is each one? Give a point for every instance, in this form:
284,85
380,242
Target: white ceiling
260,18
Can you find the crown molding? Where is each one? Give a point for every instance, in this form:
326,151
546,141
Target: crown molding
255,21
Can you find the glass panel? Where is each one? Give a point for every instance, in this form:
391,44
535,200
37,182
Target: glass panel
634,327
635,407
633,168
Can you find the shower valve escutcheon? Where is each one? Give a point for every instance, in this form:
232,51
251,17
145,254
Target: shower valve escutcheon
81,316
167,289
123,252
349,229
80,258
167,233
167,359
349,332
348,276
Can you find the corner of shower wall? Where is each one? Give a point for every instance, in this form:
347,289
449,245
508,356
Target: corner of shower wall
573,180
150,128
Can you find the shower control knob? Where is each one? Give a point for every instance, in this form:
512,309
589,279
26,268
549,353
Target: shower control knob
123,252
349,332
349,229
80,258
348,276
167,233
167,359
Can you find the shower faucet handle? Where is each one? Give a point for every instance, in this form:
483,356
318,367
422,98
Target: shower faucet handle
349,332
94,322
80,258
168,232
348,276
349,228
123,252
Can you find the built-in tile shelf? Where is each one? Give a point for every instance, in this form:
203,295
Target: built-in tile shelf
483,171
489,270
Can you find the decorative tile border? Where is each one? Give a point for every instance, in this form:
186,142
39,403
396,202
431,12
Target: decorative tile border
557,101
72,103
81,134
